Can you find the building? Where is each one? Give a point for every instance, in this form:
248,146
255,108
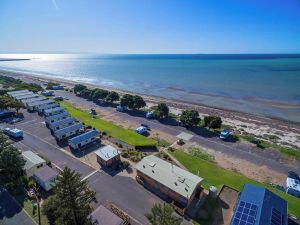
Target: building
62,124
181,186
45,177
25,96
57,117
102,216
108,156
33,162
259,206
68,132
25,92
34,99
83,139
54,111
41,108
293,184
32,106
13,93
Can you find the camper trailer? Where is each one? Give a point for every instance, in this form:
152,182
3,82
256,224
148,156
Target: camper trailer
83,139
68,132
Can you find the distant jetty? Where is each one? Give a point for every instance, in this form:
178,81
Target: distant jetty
7,59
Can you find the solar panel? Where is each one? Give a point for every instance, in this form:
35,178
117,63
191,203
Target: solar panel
245,214
276,217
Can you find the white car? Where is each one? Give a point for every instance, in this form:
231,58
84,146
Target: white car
121,108
141,130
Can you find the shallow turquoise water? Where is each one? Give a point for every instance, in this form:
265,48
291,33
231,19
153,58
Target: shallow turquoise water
260,84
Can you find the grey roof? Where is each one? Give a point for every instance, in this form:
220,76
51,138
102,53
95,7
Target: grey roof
34,99
22,93
102,216
107,152
54,109
45,173
52,105
171,176
16,92
32,159
20,97
78,139
64,121
37,103
60,115
65,130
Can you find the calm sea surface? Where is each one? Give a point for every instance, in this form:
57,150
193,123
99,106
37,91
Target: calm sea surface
261,84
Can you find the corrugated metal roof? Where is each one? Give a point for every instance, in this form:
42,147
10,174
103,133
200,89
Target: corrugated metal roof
107,152
54,109
64,121
35,99
102,216
48,105
60,115
15,92
37,103
26,96
22,93
78,139
65,130
171,176
32,159
45,173
264,201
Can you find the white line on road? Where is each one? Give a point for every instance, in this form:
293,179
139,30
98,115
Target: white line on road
91,174
30,121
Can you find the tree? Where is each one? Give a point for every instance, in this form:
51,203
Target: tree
161,111
112,96
50,85
99,94
212,122
86,93
163,215
79,88
71,205
49,209
127,100
190,117
138,102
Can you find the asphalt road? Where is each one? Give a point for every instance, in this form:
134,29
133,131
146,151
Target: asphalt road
10,211
270,159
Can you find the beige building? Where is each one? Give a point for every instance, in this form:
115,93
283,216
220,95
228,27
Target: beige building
33,162
108,156
179,185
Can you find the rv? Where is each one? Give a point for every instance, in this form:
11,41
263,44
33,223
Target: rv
13,132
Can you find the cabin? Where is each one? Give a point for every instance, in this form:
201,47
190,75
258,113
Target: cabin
108,156
32,106
62,124
259,206
83,139
68,132
54,111
46,177
25,92
102,216
25,96
14,93
57,117
41,108
179,185
33,162
35,99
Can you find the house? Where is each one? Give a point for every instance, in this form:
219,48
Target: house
34,99
83,139
33,162
181,186
57,117
54,111
61,124
102,216
108,156
45,177
259,206
32,106
25,96
25,92
41,108
13,93
68,132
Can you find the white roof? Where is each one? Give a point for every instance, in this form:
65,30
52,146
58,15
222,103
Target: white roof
107,152
171,176
32,159
293,183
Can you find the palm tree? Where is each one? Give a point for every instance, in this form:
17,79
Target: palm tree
163,215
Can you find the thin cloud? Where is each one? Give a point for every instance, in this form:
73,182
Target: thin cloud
55,4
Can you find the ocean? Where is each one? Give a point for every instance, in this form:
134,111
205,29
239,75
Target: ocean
265,85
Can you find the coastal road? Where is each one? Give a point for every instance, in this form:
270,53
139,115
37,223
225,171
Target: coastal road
200,136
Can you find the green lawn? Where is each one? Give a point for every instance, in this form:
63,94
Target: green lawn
217,176
128,136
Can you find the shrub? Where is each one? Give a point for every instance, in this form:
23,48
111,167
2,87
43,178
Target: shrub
125,164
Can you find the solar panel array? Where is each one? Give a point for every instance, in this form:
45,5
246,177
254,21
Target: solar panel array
276,217
245,214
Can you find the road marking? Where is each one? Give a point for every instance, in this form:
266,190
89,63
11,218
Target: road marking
91,174
25,122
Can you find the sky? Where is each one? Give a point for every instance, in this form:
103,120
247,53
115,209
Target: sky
150,26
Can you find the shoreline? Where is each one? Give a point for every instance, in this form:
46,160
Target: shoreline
273,122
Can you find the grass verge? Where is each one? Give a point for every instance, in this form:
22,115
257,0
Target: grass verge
217,176
125,135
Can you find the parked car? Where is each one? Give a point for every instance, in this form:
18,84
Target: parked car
58,98
93,111
12,120
149,115
121,108
141,130
146,125
13,132
224,134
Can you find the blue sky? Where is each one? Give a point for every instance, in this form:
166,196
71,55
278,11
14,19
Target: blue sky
150,26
